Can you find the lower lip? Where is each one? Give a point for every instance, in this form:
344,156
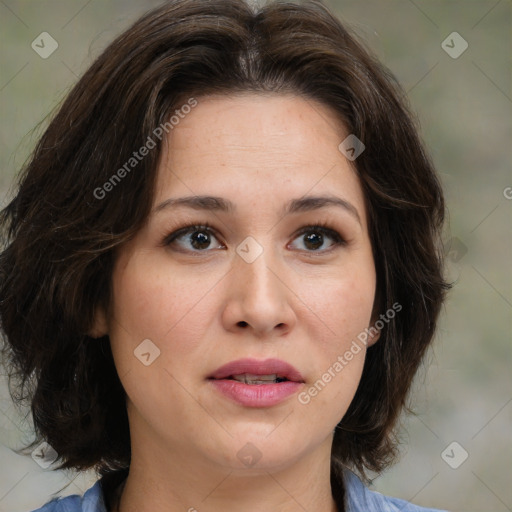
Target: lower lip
256,395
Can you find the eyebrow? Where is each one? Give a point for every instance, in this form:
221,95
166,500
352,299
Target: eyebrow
300,205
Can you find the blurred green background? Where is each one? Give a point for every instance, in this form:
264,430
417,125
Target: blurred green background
464,104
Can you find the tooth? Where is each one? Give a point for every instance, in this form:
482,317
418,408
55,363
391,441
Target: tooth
250,378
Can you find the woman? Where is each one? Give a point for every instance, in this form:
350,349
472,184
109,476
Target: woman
222,266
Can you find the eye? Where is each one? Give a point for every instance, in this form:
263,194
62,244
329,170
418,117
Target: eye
314,237
193,238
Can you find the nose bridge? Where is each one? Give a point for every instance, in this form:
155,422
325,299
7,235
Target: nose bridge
257,268
259,297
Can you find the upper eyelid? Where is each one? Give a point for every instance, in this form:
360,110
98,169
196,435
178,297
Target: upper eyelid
206,227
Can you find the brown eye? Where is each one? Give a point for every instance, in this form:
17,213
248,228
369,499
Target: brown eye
314,237
193,238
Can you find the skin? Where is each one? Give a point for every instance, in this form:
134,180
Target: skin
204,305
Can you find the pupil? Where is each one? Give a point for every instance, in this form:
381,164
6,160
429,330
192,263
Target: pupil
311,239
203,240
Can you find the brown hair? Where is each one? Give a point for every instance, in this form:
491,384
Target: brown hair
60,237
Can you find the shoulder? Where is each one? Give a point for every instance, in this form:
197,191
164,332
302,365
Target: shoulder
360,498
91,501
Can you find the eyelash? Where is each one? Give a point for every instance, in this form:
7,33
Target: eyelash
322,227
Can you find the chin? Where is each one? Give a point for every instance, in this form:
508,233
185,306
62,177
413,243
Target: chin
255,452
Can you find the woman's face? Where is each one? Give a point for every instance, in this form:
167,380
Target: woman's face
257,284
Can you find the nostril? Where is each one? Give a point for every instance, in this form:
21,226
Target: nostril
243,324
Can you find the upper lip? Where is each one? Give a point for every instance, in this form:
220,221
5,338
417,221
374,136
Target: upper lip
257,367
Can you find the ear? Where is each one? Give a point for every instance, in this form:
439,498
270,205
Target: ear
99,325
373,331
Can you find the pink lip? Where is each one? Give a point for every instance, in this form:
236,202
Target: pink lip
265,367
257,395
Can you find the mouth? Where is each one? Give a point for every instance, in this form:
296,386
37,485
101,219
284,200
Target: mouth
254,372
253,383
251,378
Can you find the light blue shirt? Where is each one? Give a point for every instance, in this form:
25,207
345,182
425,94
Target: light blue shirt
358,499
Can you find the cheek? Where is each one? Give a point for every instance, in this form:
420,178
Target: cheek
343,304
337,356
150,303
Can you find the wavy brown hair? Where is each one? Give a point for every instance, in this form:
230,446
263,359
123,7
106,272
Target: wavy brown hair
60,238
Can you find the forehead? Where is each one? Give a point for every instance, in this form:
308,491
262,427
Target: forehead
257,145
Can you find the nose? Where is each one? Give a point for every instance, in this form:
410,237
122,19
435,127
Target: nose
260,299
